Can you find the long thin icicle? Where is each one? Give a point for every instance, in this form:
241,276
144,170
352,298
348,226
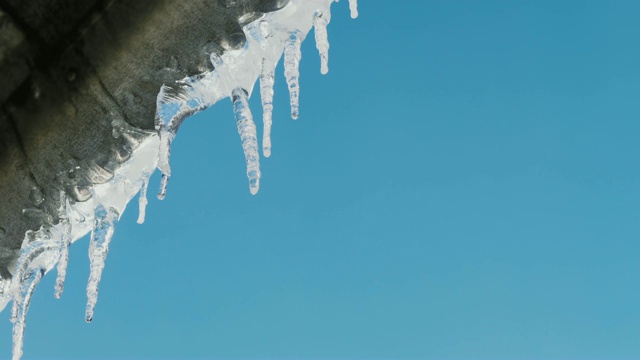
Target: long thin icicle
353,6
320,22
142,200
105,221
65,242
248,136
292,56
267,79
28,285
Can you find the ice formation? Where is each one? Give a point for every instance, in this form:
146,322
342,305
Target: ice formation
267,79
320,22
234,75
142,200
65,242
353,6
248,136
292,57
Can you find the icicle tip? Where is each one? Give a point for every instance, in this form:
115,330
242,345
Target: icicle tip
254,186
163,187
353,6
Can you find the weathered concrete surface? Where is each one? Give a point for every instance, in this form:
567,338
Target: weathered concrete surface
78,67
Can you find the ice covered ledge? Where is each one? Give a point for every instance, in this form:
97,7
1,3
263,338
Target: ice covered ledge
108,65
97,206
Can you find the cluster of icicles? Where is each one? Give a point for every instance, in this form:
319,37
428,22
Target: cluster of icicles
234,75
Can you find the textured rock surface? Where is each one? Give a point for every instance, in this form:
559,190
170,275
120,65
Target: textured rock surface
70,69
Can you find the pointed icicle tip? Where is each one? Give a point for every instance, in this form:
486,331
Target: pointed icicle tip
105,221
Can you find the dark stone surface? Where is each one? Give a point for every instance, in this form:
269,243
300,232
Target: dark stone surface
85,65
48,21
14,67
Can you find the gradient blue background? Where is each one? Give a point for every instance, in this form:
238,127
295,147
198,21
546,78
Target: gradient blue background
463,184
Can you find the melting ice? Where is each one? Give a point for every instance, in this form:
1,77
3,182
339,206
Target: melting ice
234,75
268,39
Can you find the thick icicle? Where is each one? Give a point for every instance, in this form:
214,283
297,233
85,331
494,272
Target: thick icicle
105,221
28,255
320,22
28,285
353,6
267,77
142,200
248,136
166,137
292,56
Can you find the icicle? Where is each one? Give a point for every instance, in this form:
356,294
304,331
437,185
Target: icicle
166,137
65,242
292,56
248,136
15,308
266,93
320,22
353,6
28,285
62,267
142,200
105,221
28,255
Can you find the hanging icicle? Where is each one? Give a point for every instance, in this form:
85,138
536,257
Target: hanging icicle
62,268
267,79
166,138
320,22
104,223
353,6
292,56
38,243
142,200
65,242
28,286
248,136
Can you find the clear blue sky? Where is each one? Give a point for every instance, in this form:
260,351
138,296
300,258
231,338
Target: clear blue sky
463,184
